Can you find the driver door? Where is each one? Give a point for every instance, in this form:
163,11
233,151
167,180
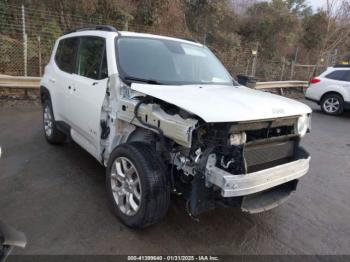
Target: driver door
90,84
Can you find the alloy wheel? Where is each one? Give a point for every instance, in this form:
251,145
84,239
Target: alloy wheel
331,105
126,186
48,123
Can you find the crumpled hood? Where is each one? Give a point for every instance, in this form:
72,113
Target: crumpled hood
218,103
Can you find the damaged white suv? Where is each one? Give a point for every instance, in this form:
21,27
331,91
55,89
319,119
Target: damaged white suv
163,115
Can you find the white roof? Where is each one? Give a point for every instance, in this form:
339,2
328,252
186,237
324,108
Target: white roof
134,34
108,34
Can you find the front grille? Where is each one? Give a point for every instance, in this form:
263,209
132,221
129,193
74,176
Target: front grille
267,155
265,133
258,131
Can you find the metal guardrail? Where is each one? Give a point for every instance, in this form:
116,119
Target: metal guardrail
281,84
22,82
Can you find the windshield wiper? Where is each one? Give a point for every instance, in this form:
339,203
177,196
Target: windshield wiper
148,81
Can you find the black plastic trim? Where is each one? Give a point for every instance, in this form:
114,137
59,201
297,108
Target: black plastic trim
63,127
44,92
313,100
341,66
347,105
107,28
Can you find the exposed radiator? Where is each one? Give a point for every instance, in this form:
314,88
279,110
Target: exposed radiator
256,155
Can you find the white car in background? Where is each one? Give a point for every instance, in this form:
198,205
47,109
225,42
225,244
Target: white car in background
331,90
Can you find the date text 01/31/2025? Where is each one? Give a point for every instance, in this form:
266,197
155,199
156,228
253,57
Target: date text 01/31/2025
173,258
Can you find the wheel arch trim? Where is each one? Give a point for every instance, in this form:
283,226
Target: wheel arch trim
44,92
330,93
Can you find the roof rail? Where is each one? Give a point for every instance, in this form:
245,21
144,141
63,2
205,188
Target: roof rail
107,28
342,66
189,39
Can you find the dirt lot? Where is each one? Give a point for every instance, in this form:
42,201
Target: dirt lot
56,195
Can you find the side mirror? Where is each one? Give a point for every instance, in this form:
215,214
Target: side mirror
234,82
248,81
9,239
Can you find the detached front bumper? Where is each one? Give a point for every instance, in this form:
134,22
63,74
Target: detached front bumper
247,184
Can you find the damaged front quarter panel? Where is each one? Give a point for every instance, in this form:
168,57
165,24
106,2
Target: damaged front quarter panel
173,126
228,163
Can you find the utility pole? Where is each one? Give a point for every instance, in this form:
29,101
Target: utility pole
283,68
247,67
39,55
24,42
126,25
294,62
334,57
255,56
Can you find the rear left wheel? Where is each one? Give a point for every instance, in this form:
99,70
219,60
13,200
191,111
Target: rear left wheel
52,134
332,104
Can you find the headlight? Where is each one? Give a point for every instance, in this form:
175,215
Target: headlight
238,139
303,125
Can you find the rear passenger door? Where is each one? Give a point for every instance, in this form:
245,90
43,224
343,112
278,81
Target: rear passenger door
90,84
64,77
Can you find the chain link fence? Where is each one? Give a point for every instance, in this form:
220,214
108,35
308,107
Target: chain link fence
27,36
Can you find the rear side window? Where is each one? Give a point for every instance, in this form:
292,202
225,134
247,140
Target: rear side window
65,55
347,76
340,75
91,58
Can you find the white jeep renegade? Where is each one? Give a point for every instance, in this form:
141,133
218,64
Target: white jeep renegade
163,115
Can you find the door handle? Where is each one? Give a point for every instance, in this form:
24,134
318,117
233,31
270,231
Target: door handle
52,80
94,83
346,85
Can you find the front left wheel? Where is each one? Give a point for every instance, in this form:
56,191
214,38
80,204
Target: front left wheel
137,185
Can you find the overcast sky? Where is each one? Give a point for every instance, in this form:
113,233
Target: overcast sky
317,3
321,3
243,4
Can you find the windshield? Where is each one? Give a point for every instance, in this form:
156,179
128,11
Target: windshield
169,62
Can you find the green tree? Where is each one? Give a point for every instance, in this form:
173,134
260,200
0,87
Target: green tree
275,25
6,18
111,12
314,30
48,34
149,12
215,22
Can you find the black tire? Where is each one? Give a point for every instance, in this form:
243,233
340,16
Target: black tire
155,193
55,136
329,109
